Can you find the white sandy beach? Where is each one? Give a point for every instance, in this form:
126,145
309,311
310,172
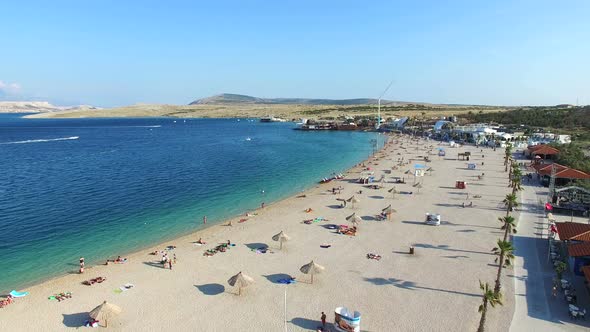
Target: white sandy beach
437,289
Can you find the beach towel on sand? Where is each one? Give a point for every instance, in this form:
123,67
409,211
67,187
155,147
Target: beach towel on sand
286,281
18,294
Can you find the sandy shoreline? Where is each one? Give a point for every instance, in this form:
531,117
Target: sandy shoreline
442,278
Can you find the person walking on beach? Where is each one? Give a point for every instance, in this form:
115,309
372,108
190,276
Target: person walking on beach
81,264
170,263
323,318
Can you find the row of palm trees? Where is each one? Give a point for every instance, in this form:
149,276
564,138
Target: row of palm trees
504,249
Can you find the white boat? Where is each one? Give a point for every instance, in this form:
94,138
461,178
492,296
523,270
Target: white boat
271,118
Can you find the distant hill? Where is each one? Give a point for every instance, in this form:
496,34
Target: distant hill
229,98
37,107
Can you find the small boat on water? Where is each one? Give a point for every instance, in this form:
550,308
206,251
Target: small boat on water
248,139
271,118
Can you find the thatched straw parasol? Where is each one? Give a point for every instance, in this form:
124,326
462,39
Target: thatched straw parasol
240,280
104,311
388,210
353,200
354,219
312,268
281,237
419,186
393,191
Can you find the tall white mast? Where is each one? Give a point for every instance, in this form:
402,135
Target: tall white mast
379,106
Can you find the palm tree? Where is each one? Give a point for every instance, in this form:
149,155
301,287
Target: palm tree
505,253
508,225
516,180
508,153
488,297
510,202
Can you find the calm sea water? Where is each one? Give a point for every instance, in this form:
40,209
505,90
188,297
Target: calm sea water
101,187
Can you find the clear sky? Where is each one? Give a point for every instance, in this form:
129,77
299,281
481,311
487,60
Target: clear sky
110,53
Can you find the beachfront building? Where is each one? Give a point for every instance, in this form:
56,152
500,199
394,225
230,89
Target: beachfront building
478,133
546,138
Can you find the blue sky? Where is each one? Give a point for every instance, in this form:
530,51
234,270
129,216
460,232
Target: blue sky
110,53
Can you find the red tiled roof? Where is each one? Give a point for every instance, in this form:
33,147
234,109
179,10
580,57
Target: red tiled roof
573,231
570,173
546,169
578,249
543,149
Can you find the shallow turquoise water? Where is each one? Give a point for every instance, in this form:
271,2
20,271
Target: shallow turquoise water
100,187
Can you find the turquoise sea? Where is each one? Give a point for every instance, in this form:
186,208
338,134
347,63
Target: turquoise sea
102,187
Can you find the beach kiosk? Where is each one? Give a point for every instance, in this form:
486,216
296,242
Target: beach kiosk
347,320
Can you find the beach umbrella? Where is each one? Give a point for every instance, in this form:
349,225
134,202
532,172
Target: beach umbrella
104,311
388,210
281,237
354,219
311,268
353,200
240,280
393,191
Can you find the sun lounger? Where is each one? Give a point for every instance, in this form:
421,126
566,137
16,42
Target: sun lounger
373,256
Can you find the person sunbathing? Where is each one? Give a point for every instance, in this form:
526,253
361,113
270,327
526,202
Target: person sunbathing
308,210
200,241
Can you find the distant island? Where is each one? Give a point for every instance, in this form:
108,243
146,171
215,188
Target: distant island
229,105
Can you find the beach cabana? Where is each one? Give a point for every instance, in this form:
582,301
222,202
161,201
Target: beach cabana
312,269
281,237
240,280
104,312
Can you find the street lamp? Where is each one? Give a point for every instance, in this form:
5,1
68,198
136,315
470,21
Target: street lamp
379,106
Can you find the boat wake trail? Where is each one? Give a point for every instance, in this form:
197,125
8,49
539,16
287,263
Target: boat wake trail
43,140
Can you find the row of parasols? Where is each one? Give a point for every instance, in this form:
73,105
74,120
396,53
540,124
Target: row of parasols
242,280
106,311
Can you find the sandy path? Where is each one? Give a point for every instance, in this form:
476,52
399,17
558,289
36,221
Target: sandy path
434,290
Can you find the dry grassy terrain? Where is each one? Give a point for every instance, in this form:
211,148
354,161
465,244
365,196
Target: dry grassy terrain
260,110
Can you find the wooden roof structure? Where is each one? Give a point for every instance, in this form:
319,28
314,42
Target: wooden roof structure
543,149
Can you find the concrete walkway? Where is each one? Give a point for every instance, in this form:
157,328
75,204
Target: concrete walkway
535,308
